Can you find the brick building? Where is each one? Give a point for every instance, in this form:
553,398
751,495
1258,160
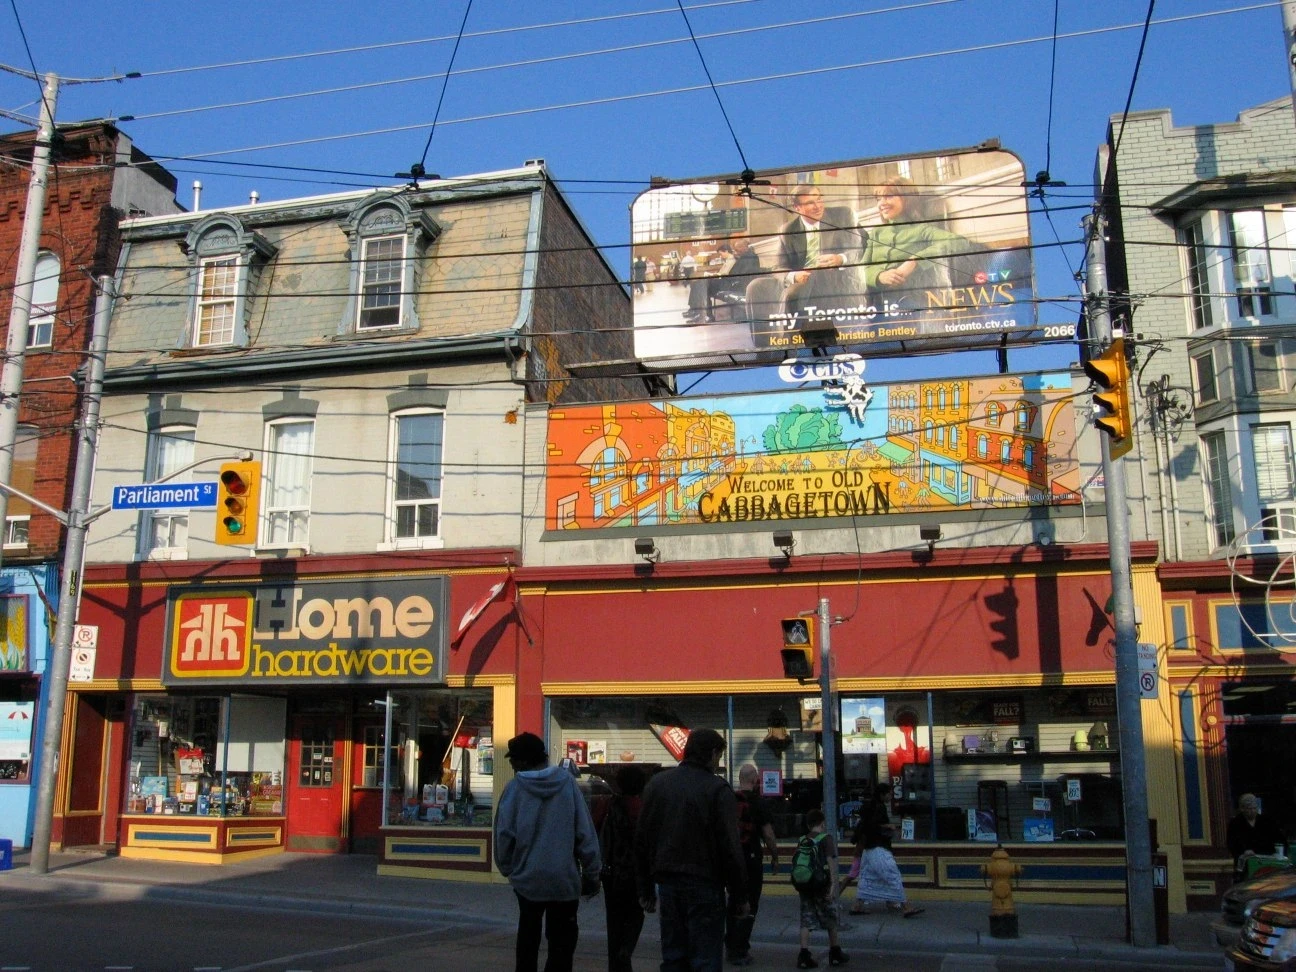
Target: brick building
97,178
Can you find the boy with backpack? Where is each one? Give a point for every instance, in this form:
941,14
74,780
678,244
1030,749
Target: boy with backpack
814,875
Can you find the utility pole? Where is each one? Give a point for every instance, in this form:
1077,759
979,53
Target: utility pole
11,376
1289,43
828,718
1138,838
56,669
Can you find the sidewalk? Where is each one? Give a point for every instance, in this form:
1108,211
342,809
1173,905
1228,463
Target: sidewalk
349,884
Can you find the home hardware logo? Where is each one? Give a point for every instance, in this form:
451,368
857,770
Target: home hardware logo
322,631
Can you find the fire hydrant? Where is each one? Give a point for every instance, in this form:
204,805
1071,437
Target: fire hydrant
999,876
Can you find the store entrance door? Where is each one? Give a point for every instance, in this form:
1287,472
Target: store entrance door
315,784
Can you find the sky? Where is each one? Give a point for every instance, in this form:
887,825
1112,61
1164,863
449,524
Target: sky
288,100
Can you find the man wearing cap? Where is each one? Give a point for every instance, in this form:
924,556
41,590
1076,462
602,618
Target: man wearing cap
687,846
546,845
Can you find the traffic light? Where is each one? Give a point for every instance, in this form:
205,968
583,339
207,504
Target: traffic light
236,502
798,647
1110,371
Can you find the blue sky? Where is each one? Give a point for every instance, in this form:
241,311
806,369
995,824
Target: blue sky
811,82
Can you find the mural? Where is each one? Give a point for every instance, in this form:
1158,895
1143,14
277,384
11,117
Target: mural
839,451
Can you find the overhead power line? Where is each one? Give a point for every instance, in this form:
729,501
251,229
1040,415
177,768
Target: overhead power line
688,89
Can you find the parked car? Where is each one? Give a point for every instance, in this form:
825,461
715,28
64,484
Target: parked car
1268,942
1246,896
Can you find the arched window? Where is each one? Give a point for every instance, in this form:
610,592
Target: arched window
1005,450
992,413
1023,416
927,431
953,437
1028,456
44,299
956,396
983,446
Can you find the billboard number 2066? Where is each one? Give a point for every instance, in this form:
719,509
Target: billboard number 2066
1066,331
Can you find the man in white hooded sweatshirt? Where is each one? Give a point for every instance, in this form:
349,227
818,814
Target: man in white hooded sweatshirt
546,845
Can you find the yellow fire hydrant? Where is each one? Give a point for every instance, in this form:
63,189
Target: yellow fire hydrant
999,876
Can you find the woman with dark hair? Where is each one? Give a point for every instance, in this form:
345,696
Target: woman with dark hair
879,876
905,252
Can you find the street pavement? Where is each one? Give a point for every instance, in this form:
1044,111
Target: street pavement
1050,935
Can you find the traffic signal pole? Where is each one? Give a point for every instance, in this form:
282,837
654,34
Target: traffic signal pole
60,660
828,718
1138,838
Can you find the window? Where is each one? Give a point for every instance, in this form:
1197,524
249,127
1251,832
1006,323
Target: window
380,282
289,447
226,260
166,532
22,477
1023,416
44,299
388,240
217,294
417,439
1192,240
953,437
1204,372
1217,487
1252,275
983,446
1028,456
992,414
1275,473
1265,367
1005,450
927,430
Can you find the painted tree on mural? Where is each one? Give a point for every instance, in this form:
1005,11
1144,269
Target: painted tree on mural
802,429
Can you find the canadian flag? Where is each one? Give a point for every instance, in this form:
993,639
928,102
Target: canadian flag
672,737
480,605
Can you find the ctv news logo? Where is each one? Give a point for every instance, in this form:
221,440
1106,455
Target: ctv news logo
211,635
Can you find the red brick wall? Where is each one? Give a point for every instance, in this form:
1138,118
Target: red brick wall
79,227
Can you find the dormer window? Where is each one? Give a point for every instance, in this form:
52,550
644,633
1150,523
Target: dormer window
387,239
380,288
227,260
217,297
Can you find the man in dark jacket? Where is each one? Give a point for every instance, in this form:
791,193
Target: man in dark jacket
687,843
545,844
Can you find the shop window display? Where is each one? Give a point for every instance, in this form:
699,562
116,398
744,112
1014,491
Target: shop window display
440,767
207,756
1035,764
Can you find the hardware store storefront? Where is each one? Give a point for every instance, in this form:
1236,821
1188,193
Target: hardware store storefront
331,709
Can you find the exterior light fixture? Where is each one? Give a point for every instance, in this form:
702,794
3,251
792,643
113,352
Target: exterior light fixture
784,540
647,549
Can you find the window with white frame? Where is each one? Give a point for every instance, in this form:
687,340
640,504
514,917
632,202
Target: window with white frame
1264,367
217,295
1252,272
1218,489
382,267
289,465
1193,240
165,533
416,443
1204,374
44,299
1275,472
22,477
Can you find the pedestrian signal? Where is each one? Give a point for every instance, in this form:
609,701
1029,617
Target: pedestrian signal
1110,372
236,503
798,648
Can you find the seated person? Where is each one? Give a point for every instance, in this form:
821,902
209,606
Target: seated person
908,252
1251,833
819,252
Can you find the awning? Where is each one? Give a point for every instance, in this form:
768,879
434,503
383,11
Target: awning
894,453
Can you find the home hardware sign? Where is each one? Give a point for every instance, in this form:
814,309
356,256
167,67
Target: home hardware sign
373,631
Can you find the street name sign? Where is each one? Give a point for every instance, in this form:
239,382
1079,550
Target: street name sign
165,496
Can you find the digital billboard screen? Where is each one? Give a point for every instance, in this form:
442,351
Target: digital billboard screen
879,257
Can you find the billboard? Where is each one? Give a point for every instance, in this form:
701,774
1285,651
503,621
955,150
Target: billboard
878,257
846,450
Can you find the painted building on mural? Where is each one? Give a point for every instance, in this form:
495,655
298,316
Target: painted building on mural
336,680
98,178
974,670
1201,220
